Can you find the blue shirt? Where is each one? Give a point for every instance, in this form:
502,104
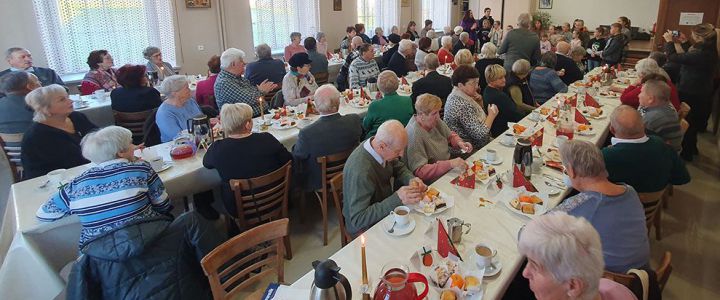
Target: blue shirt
545,83
269,69
171,119
108,196
620,221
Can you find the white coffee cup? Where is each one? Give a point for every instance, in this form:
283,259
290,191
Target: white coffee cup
508,139
491,155
401,215
267,119
151,156
560,140
484,254
99,94
56,177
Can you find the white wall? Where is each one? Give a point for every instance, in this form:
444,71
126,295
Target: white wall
642,13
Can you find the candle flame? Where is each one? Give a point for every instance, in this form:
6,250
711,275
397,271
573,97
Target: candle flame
362,240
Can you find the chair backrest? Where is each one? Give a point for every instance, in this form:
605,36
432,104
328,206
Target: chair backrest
134,121
651,202
336,188
333,164
151,131
229,272
277,100
321,77
663,274
13,152
262,199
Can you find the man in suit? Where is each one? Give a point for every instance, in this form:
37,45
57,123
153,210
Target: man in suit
462,43
395,40
612,54
20,59
433,83
571,71
398,62
330,134
265,68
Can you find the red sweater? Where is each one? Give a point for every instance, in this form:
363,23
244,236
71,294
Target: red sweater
630,96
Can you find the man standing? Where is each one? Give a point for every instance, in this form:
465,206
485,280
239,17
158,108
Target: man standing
232,87
486,16
20,59
520,43
659,117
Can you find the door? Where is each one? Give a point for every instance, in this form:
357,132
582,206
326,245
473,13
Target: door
669,15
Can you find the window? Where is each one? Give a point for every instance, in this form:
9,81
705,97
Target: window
70,29
378,13
436,10
274,20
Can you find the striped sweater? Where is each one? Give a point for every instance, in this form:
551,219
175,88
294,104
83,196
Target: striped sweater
361,71
108,196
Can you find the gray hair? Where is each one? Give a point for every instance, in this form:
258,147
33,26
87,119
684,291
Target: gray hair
103,145
458,29
657,89
229,56
391,132
577,51
9,52
405,45
648,66
327,99
40,100
263,51
584,158
567,247
234,116
446,40
319,35
627,122
524,20
173,84
521,67
447,30
488,50
430,34
378,30
464,36
14,82
356,41
150,51
431,61
548,60
388,82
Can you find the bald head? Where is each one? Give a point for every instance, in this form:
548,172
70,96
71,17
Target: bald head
327,99
356,41
390,140
563,48
626,123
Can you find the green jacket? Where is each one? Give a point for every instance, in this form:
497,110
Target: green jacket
390,107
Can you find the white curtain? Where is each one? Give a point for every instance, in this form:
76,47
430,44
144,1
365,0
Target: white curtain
436,10
379,13
274,20
70,29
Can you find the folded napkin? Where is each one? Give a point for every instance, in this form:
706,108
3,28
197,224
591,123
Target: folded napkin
537,137
444,246
579,118
590,101
519,180
465,180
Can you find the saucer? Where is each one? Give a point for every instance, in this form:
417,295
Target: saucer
498,161
507,145
164,167
399,230
492,272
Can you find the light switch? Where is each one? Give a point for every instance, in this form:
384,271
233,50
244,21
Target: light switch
201,47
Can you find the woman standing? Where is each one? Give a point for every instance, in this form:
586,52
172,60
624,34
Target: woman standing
411,31
469,24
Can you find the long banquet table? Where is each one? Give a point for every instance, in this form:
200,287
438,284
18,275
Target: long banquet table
494,224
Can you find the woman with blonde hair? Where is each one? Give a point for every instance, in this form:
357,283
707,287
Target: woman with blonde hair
464,58
488,56
495,94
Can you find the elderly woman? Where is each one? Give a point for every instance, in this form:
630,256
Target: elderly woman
404,56
463,43
391,107
411,31
101,76
205,90
350,34
544,80
53,140
565,260
445,54
463,112
430,140
464,58
613,209
364,67
156,64
423,50
518,88
134,95
488,56
294,47
379,38
322,45
646,67
577,54
494,94
15,117
395,30
319,62
172,115
299,84
242,154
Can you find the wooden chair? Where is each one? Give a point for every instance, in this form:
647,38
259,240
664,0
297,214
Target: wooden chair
12,153
651,202
263,199
133,121
663,273
230,273
330,166
336,186
321,77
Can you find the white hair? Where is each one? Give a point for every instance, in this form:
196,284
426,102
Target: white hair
447,30
327,99
446,40
405,45
387,81
524,20
488,50
391,132
173,84
234,116
41,98
567,247
521,67
464,36
648,66
584,158
103,145
430,34
356,41
231,55
458,29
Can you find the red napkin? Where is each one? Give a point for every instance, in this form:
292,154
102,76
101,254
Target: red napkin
403,80
519,180
537,137
362,94
580,118
590,101
443,242
464,180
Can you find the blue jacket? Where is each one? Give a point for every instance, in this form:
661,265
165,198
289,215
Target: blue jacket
46,76
271,69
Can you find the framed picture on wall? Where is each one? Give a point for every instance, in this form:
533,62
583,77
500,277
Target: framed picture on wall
545,4
197,3
337,5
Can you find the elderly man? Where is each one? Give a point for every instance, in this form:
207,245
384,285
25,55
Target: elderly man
659,117
343,80
232,87
520,43
462,43
398,62
345,133
566,67
433,83
367,192
265,68
634,155
391,107
388,54
15,115
20,59
363,67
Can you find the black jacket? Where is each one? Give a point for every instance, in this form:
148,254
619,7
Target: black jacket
572,72
398,65
389,54
513,80
147,259
433,83
135,99
508,111
697,67
459,46
613,50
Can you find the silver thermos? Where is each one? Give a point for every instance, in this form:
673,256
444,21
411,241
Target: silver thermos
329,284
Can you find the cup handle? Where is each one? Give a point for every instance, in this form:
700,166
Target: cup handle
468,230
417,277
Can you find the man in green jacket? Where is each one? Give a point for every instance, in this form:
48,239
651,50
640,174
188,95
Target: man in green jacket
368,195
391,107
644,162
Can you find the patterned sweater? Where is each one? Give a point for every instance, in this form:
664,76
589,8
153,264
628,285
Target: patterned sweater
361,70
107,196
467,118
663,121
230,88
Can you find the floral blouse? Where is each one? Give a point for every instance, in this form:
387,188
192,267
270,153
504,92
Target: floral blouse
467,118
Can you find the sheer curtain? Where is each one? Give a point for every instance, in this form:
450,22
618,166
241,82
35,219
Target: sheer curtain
70,29
436,10
379,13
274,20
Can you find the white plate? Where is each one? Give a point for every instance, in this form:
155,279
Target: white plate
498,160
278,127
528,130
398,230
508,194
356,105
449,202
589,132
164,167
507,145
